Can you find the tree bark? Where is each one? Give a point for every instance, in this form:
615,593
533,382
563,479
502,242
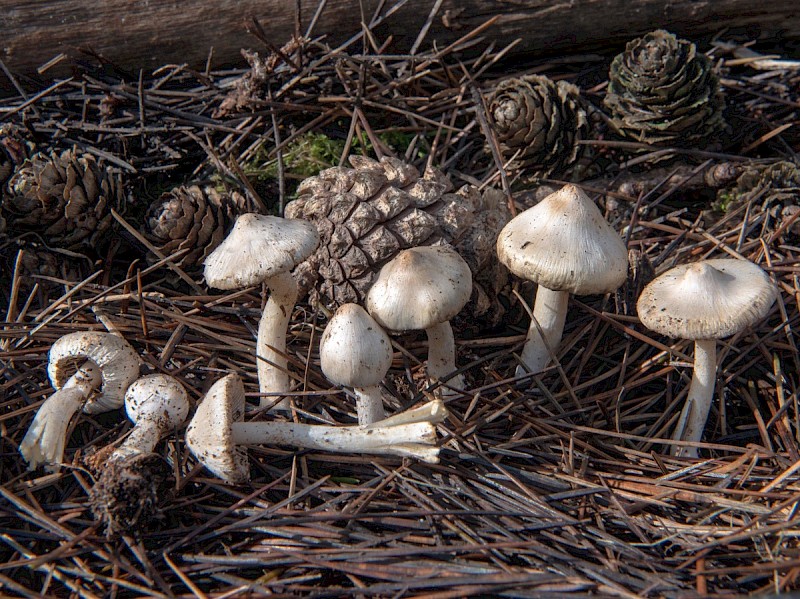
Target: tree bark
146,34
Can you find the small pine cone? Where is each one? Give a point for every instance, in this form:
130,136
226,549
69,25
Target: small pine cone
775,186
367,214
67,198
540,121
661,91
14,149
192,218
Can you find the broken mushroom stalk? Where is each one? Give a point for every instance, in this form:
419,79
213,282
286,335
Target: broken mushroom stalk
563,244
216,431
704,301
264,249
109,366
133,479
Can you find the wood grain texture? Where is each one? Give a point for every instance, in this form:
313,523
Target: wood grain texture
148,34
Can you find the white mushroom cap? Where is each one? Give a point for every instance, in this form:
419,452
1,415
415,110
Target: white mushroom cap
419,288
564,244
159,398
710,299
354,349
210,435
116,359
257,248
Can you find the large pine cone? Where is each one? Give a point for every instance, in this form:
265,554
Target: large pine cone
661,91
192,218
367,214
540,122
66,198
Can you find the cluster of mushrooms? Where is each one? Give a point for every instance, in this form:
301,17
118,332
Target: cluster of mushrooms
563,244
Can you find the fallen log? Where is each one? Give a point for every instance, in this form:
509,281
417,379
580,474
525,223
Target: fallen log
147,34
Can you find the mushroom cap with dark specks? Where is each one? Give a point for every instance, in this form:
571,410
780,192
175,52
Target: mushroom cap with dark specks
257,248
116,359
563,243
209,435
710,299
159,398
420,287
354,349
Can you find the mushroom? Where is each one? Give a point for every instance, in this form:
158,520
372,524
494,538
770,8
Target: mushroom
264,249
423,288
110,365
217,428
127,492
563,244
356,352
157,404
704,301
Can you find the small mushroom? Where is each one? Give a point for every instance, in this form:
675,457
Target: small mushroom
111,365
423,288
132,480
217,429
264,249
356,352
704,301
563,244
157,404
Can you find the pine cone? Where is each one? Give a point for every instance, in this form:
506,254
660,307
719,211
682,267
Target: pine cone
661,91
14,149
540,122
67,198
775,186
192,218
367,214
37,265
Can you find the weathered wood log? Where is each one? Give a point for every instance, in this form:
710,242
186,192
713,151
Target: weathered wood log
148,33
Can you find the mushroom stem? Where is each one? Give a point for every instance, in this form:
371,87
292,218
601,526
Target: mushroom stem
701,393
417,439
273,373
550,311
46,437
369,404
442,355
142,439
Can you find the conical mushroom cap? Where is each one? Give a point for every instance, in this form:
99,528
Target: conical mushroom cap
420,287
710,299
116,359
209,435
257,248
354,349
563,243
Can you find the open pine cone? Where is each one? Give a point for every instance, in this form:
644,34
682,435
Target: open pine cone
661,91
367,214
192,218
66,198
540,121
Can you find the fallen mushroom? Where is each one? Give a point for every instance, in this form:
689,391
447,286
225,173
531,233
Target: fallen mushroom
564,244
422,288
133,479
264,249
356,352
704,301
110,365
217,429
